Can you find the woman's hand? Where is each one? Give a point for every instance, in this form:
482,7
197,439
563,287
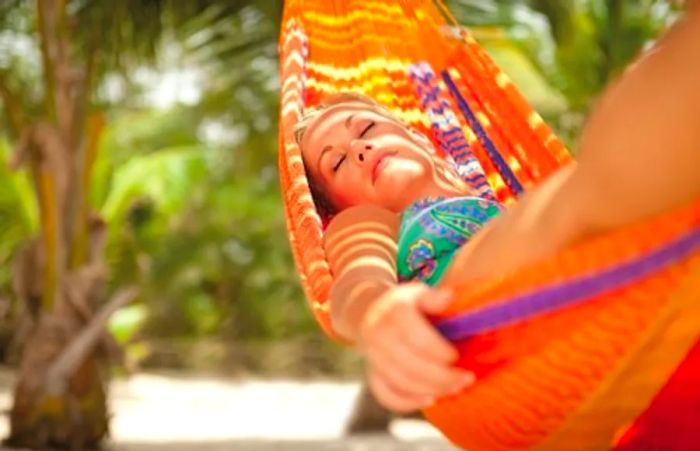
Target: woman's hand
409,363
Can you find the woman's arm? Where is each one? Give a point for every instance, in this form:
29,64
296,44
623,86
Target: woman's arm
640,156
641,148
408,362
360,244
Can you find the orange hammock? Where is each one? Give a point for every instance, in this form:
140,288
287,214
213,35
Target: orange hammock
605,346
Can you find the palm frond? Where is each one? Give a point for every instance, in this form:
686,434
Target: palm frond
18,209
165,177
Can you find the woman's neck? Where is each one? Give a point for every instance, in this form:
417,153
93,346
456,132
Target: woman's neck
441,191
437,190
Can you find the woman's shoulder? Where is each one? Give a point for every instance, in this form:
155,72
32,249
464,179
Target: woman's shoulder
362,231
362,217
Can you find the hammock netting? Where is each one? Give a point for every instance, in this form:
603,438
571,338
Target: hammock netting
593,348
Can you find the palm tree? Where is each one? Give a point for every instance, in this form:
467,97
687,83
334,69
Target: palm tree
54,114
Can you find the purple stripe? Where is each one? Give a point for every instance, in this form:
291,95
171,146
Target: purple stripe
567,294
506,173
446,127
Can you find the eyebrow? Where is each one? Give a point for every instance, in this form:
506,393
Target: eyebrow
349,119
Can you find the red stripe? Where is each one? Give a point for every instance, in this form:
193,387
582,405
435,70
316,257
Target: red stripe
672,421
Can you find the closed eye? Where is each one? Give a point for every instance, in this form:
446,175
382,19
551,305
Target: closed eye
340,161
367,129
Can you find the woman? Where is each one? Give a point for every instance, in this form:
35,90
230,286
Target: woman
640,157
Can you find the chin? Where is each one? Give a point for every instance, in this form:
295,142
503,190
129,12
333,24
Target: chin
404,175
403,190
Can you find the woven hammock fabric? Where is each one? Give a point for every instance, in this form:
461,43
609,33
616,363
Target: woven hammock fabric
581,351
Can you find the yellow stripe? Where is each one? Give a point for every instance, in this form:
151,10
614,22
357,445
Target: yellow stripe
502,80
388,13
321,307
535,120
361,70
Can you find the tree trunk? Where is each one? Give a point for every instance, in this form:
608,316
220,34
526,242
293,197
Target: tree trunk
60,399
75,418
368,416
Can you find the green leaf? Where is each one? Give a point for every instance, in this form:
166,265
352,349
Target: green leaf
166,177
18,208
127,321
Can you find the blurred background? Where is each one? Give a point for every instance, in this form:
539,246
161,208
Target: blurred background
172,107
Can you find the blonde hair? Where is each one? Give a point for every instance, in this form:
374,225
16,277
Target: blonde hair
324,205
338,99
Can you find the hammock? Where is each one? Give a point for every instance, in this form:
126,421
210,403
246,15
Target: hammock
593,348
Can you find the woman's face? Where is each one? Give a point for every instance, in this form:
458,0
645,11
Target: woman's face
359,156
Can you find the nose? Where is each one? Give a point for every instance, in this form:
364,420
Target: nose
359,149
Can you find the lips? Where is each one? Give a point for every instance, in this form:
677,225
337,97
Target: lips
380,163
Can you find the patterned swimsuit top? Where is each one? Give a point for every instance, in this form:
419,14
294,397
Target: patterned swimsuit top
433,229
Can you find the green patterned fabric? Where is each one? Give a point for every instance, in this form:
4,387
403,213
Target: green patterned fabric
433,229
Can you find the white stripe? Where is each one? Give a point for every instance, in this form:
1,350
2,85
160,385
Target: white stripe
290,81
295,159
291,96
293,57
291,108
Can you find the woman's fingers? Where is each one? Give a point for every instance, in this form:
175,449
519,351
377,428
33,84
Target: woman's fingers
394,397
414,373
434,301
409,362
418,333
403,316
408,352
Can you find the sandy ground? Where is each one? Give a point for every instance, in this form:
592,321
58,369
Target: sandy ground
165,412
